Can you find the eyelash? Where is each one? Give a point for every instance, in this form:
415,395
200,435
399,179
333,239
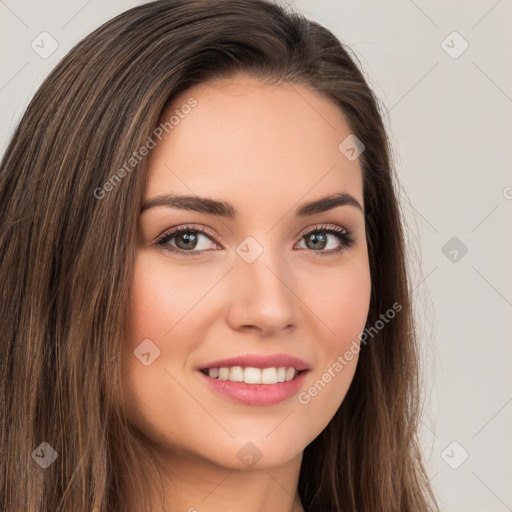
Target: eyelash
342,234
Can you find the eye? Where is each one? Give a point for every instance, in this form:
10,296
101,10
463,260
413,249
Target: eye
188,240
318,239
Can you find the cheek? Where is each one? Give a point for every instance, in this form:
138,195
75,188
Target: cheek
161,298
161,310
343,309
153,314
340,299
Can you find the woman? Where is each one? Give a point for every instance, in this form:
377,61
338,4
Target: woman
205,303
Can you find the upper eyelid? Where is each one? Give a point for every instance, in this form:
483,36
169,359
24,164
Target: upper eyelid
172,232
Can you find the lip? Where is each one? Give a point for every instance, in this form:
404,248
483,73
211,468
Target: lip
259,361
255,394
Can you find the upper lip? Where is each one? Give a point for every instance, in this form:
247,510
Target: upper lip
259,361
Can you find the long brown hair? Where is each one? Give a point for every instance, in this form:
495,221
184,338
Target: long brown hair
67,259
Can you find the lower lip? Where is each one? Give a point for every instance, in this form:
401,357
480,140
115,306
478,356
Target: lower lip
256,394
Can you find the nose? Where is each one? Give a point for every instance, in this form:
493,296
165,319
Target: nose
263,299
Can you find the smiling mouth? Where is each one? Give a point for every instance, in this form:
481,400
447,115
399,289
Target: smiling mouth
251,375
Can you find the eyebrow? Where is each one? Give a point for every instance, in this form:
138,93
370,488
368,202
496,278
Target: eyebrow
225,209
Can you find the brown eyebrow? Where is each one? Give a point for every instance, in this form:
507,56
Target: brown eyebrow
225,209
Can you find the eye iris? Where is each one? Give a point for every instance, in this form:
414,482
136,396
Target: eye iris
188,239
315,237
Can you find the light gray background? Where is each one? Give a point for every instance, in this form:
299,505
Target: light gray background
450,124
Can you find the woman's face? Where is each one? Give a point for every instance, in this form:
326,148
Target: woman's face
262,282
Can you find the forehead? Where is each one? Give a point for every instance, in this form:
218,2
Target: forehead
246,140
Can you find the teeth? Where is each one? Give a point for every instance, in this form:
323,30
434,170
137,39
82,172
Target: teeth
269,375
236,374
290,373
252,375
223,373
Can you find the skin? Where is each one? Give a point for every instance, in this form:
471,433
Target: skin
266,149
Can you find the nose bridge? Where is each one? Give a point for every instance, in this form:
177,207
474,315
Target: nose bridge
263,287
